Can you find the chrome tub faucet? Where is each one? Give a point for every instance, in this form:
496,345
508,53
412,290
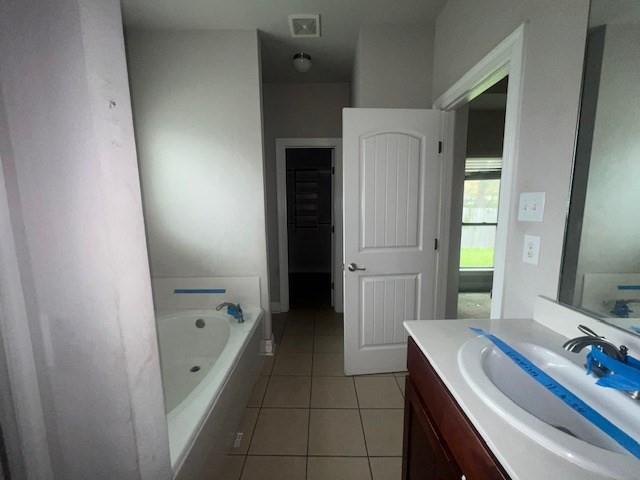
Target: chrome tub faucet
233,309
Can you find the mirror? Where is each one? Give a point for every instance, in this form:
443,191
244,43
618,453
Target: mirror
601,265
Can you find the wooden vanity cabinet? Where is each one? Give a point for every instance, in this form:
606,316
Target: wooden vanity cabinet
440,443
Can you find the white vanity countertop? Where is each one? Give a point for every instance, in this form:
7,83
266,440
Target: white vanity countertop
522,457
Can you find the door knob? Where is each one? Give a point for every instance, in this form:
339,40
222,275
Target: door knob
354,266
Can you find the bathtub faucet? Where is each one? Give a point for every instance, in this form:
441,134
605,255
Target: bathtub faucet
233,309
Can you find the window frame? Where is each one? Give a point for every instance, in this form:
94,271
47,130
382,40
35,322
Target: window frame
487,175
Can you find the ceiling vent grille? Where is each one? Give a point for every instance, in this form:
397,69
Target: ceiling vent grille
304,25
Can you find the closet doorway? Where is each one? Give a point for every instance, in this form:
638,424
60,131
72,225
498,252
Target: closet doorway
309,222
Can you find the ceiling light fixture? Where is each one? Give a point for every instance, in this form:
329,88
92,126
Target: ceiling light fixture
302,62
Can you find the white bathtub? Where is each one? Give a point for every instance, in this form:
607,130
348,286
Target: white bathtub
207,374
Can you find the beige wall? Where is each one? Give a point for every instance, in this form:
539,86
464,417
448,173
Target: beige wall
466,30
197,111
73,259
302,110
393,67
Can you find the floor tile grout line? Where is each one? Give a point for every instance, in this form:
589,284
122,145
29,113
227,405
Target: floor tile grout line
255,426
309,408
364,435
304,407
306,461
244,463
299,455
253,431
395,379
398,385
260,404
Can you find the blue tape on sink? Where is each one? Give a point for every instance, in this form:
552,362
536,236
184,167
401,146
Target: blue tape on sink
564,394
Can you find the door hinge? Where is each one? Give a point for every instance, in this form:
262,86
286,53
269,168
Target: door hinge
333,170
440,146
333,229
435,243
332,286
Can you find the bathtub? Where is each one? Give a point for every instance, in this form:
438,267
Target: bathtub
209,365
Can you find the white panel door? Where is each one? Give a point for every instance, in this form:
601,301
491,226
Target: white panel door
391,191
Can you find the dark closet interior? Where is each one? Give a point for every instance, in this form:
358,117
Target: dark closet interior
309,222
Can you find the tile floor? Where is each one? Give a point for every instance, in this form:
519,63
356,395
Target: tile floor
474,305
307,420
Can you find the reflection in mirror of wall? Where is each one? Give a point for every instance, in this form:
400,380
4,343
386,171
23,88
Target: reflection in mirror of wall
601,267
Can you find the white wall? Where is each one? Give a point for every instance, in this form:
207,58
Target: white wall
197,108
295,110
466,30
610,227
74,258
393,66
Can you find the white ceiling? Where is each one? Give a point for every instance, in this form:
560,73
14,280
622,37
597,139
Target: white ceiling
332,53
608,12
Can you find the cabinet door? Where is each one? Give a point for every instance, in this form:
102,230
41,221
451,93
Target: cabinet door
425,456
459,439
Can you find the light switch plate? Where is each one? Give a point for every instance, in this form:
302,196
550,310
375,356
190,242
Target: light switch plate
531,208
531,250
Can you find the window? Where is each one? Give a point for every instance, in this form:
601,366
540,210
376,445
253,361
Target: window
480,213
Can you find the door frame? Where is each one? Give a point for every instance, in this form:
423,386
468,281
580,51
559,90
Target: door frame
507,58
282,144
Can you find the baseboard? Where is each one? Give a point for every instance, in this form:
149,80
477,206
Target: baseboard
275,307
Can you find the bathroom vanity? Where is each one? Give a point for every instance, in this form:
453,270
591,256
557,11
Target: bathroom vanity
471,412
440,443
496,399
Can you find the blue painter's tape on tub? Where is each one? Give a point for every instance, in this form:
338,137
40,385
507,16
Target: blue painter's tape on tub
205,291
628,287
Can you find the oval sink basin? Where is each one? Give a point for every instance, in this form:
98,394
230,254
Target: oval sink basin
545,418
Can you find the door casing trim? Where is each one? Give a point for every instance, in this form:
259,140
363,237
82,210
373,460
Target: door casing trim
507,58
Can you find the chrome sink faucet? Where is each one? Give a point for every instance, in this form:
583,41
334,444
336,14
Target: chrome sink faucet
576,345
233,309
614,367
591,339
